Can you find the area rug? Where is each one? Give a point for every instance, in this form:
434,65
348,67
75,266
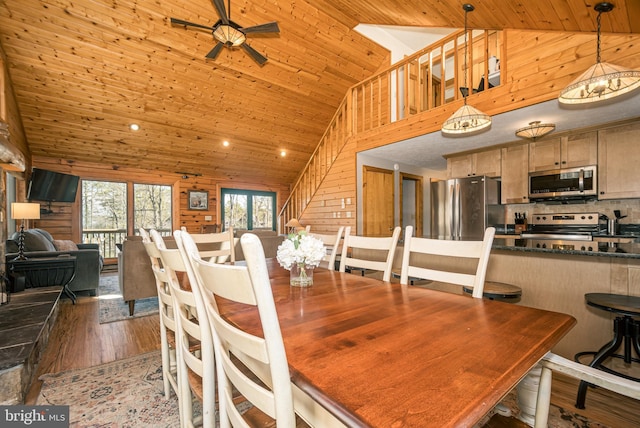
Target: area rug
114,308
122,394
558,417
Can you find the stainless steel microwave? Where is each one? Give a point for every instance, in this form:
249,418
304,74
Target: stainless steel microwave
564,184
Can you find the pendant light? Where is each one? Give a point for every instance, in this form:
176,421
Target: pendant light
601,81
467,119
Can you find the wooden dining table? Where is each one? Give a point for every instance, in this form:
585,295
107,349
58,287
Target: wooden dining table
386,355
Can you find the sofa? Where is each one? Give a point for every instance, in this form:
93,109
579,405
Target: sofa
40,243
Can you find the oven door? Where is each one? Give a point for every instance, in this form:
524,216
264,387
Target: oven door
572,183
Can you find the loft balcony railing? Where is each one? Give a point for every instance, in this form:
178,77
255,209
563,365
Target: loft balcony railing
108,238
429,78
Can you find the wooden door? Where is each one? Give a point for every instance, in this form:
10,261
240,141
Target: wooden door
377,201
411,202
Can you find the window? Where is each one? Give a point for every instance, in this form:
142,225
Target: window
152,207
248,209
113,210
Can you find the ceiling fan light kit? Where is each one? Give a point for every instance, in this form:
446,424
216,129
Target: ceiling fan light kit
229,34
467,119
602,81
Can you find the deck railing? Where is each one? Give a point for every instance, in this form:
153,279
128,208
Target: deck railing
425,80
108,238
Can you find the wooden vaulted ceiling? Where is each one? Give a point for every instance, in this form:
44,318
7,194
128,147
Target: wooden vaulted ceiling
83,70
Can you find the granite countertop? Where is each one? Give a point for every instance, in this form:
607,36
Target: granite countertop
598,249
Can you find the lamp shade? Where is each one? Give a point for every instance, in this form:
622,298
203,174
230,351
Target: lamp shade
466,120
600,82
25,210
293,223
535,130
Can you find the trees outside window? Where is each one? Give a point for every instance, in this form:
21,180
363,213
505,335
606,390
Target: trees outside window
248,209
113,210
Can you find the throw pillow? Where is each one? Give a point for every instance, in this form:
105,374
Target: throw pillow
35,241
65,245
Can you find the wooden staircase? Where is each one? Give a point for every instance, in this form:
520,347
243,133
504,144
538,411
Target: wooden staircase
425,80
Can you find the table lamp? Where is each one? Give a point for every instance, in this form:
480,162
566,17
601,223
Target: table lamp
294,225
24,211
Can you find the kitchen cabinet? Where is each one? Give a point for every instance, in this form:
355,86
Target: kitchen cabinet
515,175
618,161
570,151
481,163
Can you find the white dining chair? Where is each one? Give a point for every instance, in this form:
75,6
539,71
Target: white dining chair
196,368
264,361
552,362
332,244
366,252
167,321
419,254
220,245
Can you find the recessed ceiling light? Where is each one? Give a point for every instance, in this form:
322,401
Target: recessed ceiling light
225,143
134,126
283,153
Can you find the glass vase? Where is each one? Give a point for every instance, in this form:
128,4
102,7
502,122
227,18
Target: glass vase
301,275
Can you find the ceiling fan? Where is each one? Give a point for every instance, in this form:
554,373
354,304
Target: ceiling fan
230,34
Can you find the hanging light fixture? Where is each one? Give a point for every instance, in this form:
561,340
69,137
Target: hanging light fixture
601,81
466,119
535,130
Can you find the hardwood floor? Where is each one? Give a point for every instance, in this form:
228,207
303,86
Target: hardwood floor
78,340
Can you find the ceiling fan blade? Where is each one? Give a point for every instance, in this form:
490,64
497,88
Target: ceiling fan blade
189,24
213,53
257,56
222,12
269,27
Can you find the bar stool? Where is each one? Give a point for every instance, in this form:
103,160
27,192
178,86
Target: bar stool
499,291
626,331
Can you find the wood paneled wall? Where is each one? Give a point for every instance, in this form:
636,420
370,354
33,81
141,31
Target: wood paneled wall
64,222
540,64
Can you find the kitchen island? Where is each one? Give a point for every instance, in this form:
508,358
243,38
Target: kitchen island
628,250
558,278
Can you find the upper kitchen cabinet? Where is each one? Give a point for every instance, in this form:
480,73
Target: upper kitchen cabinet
487,163
570,151
618,161
515,176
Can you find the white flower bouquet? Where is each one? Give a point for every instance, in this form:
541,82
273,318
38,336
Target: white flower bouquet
301,250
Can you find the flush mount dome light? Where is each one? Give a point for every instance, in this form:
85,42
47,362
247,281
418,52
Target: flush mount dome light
535,130
602,81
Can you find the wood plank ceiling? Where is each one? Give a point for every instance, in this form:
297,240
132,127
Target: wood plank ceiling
83,70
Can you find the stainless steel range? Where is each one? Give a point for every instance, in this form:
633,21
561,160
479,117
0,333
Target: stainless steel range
565,231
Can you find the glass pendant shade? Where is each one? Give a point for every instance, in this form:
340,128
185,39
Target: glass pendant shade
466,119
229,36
600,82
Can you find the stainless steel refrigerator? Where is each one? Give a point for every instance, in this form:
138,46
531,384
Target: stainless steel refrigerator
462,208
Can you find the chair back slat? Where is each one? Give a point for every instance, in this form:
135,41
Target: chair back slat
362,251
333,247
417,250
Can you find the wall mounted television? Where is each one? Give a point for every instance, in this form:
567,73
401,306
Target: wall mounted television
52,186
